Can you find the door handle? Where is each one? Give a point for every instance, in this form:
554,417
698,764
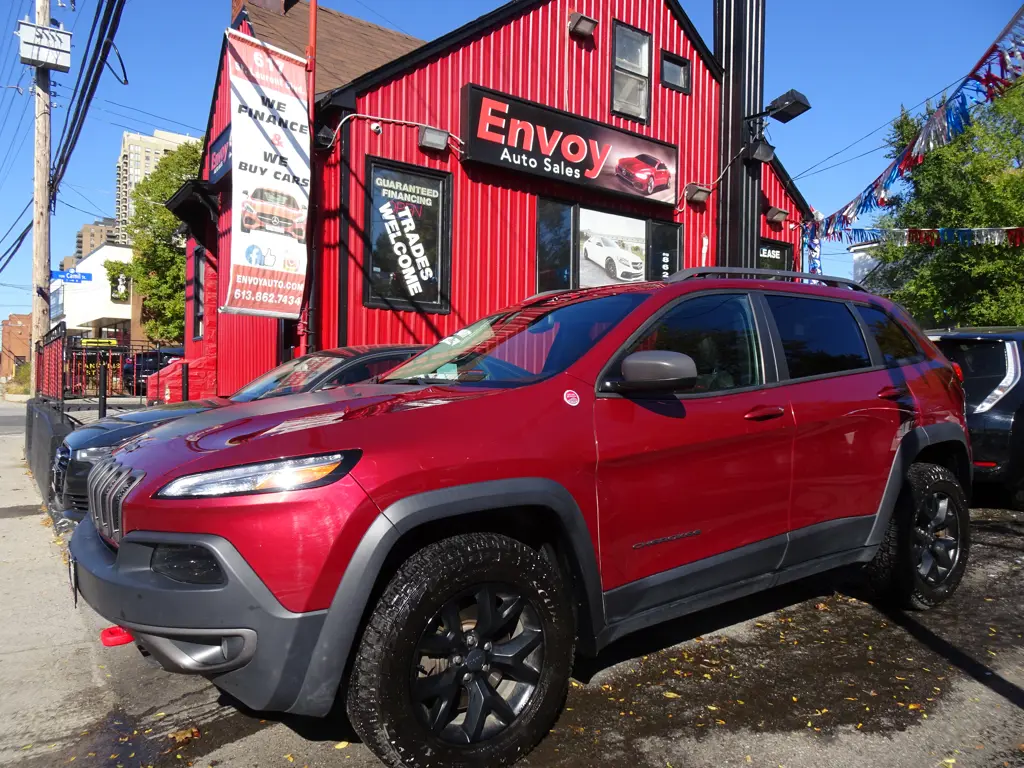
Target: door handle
764,412
892,392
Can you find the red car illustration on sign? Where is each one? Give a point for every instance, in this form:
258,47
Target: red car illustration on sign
273,211
644,172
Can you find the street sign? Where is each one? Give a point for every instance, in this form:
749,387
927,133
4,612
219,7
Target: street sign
45,47
71,276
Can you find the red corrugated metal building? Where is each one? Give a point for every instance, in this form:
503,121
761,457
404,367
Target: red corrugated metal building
565,159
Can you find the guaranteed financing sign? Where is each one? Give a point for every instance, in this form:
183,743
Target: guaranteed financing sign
523,136
269,161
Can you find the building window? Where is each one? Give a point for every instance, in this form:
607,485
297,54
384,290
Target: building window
408,250
675,72
631,72
198,290
581,247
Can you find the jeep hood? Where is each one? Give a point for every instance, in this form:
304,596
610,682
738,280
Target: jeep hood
292,425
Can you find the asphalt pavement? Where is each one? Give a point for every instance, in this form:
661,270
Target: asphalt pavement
808,675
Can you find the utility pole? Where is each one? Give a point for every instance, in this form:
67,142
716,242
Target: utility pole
41,202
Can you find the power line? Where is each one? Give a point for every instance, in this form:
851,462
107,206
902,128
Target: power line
876,130
141,111
7,255
844,162
4,169
81,210
15,222
90,202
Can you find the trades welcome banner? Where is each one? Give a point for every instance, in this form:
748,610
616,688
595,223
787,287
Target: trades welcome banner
270,178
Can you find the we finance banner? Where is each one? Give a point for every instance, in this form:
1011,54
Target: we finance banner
270,178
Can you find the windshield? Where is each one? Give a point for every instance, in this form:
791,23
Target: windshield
275,198
296,375
521,346
647,159
982,362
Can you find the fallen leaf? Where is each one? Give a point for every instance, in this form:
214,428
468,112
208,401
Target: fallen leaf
794,698
670,695
289,758
713,709
740,701
914,706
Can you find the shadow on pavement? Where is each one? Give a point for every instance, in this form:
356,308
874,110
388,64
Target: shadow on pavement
958,658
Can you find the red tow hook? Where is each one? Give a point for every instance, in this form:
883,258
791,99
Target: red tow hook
115,635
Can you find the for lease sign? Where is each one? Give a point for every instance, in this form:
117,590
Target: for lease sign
270,177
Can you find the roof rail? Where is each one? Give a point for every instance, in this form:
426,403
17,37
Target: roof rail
744,272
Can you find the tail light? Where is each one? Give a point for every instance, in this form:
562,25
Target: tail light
959,372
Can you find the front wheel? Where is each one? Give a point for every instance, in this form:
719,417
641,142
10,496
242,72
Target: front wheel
922,559
650,186
609,268
465,661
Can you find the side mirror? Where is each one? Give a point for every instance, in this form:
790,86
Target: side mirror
657,371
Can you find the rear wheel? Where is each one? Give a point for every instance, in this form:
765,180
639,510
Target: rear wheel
466,658
924,554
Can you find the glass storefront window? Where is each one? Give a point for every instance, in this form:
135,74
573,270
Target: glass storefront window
408,254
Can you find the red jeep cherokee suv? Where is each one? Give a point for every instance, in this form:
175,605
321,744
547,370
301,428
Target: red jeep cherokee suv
435,545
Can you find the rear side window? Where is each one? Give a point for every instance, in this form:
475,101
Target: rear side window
983,364
818,337
718,332
896,347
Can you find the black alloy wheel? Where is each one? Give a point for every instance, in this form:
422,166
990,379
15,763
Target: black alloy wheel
936,539
478,664
465,659
609,268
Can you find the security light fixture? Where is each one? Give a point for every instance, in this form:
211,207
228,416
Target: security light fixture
697,193
787,106
760,151
433,138
776,215
582,27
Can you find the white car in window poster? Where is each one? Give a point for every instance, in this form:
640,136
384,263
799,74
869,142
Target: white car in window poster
617,262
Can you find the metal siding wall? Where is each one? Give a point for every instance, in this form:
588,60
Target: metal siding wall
773,193
494,212
327,230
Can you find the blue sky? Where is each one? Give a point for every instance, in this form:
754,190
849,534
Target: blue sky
856,63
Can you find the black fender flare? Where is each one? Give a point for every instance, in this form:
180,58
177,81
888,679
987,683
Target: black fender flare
338,638
911,446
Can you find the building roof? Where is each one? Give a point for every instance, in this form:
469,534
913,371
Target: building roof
398,65
348,47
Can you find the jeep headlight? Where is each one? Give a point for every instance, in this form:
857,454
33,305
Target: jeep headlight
93,455
267,477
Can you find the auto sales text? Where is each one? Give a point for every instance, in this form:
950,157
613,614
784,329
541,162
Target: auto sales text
410,253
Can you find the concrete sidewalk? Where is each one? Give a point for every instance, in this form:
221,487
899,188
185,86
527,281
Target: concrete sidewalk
53,687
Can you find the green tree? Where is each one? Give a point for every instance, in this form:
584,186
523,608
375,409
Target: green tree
157,269
975,181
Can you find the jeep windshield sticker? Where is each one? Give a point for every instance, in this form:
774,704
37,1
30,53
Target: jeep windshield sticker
405,225
269,161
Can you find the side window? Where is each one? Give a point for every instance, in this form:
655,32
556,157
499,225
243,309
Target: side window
818,336
365,370
675,72
896,347
631,72
717,331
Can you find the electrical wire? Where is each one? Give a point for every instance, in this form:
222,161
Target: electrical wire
63,201
15,222
96,208
4,170
162,118
844,162
879,128
7,255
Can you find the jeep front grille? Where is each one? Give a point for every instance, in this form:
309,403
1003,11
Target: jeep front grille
109,484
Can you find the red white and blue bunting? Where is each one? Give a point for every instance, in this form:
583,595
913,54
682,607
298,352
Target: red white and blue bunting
1000,67
1013,236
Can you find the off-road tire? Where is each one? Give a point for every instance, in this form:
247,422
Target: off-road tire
379,702
892,575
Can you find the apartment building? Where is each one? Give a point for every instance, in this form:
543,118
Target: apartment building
139,156
15,342
92,236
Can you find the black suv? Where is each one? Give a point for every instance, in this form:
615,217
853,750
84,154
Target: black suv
990,359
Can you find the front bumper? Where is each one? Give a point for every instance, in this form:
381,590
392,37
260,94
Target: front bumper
236,633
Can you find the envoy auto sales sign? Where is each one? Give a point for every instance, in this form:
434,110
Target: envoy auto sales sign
523,136
270,178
